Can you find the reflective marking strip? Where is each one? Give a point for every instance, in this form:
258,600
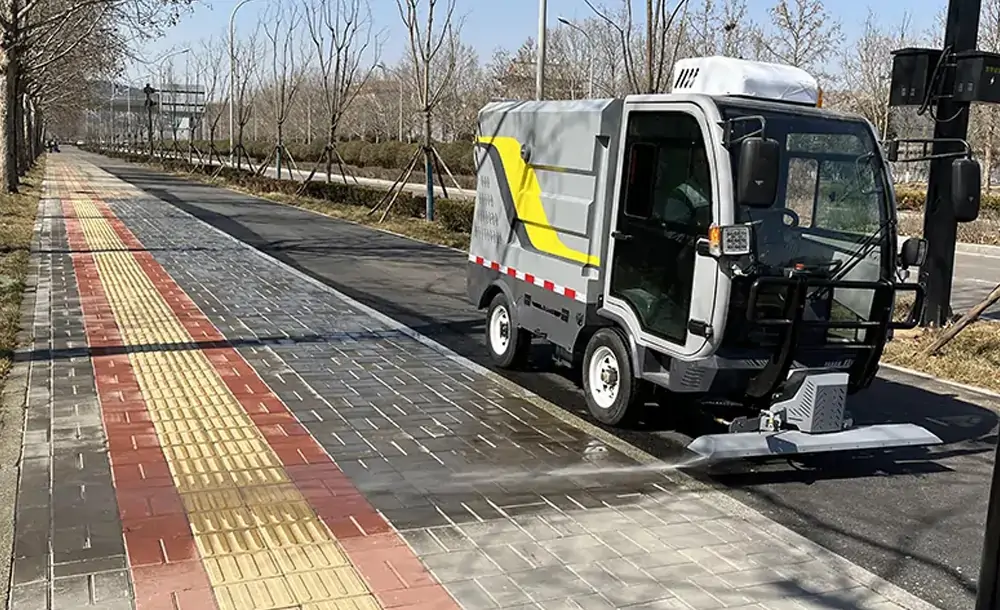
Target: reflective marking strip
527,277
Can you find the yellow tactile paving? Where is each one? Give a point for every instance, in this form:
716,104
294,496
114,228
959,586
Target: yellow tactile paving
261,543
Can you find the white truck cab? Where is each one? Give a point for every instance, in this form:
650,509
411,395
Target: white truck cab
731,241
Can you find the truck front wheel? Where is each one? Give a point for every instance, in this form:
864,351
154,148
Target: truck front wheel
609,384
509,345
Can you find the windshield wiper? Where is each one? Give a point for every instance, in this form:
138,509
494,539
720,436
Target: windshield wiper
870,242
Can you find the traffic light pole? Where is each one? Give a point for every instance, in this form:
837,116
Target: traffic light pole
952,122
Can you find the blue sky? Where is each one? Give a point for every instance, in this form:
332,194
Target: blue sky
493,23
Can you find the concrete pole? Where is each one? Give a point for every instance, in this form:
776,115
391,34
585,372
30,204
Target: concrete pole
540,67
232,77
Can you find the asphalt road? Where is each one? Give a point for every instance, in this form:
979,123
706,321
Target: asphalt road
915,517
976,274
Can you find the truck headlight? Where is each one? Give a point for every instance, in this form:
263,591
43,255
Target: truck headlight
733,240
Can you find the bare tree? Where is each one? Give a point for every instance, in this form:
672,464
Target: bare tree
288,62
23,23
434,55
246,55
719,28
348,53
212,64
801,34
650,73
985,120
867,70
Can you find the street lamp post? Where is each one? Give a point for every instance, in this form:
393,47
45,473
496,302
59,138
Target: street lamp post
232,77
590,55
540,66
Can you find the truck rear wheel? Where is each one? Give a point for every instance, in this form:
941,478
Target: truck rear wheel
509,345
609,384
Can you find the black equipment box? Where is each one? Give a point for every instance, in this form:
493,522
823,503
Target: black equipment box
977,77
912,71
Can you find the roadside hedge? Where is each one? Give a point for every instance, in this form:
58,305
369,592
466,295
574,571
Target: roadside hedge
913,200
454,215
385,155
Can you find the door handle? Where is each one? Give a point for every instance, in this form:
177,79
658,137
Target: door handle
620,236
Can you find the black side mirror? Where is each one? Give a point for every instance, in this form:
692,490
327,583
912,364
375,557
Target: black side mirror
757,175
966,189
913,253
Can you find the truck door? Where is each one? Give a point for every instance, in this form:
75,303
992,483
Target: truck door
665,205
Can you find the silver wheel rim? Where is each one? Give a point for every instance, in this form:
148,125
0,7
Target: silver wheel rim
499,330
605,377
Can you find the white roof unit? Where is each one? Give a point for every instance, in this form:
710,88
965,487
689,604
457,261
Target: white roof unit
719,75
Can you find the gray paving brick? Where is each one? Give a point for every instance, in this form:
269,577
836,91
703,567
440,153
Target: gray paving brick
550,583
683,536
451,538
87,566
470,595
72,592
503,590
582,548
644,593
30,597
508,559
422,542
596,575
112,586
28,570
461,565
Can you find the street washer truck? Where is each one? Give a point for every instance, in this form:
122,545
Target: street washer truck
730,243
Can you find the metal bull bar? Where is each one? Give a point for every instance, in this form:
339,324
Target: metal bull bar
813,401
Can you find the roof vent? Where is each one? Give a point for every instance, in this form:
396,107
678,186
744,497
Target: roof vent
719,75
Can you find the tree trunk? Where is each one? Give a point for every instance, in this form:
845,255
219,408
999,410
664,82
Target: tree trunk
988,178
279,148
29,134
39,120
330,139
428,162
22,135
9,120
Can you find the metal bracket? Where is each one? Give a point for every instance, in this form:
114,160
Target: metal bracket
892,149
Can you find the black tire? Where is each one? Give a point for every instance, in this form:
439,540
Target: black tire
518,346
625,406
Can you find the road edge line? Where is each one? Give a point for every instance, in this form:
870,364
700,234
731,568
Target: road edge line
717,497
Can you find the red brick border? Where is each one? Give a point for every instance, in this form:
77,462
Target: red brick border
167,572
393,572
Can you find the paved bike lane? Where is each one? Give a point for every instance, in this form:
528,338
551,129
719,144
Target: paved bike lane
207,428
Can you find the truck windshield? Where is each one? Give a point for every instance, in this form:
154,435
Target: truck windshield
831,192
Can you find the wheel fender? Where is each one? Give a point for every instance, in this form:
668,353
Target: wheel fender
498,285
635,350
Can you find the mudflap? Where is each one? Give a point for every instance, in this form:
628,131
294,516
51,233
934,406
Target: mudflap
712,448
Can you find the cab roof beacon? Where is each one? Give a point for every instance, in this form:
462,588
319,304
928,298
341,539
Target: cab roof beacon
729,246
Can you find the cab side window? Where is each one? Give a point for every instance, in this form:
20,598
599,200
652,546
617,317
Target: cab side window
665,206
668,177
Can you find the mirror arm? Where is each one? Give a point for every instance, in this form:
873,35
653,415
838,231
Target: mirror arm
928,157
727,125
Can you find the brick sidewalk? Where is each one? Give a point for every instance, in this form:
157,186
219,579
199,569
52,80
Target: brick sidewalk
235,436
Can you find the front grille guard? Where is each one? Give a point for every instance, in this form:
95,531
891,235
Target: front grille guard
797,290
